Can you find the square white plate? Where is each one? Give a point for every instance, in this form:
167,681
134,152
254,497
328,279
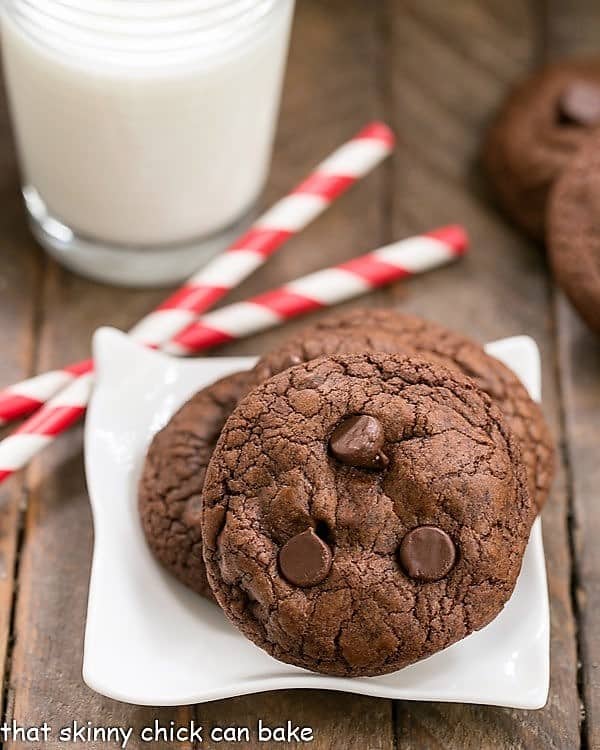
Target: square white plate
149,640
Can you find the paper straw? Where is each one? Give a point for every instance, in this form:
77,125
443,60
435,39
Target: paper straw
317,290
308,200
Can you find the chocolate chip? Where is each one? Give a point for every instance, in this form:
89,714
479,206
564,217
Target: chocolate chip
579,104
358,441
427,553
305,560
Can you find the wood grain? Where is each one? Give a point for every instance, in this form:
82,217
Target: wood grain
573,31
19,282
436,71
446,84
580,365
338,720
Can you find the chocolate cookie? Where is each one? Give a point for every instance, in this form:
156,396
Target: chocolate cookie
573,237
170,490
395,332
539,128
364,511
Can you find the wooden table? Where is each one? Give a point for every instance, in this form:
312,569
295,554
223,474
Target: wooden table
435,71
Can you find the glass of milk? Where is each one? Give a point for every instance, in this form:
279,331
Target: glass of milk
144,127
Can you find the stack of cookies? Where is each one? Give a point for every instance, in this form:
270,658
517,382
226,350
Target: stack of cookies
358,501
542,155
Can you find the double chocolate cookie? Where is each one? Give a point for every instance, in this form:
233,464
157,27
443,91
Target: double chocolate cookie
398,333
364,511
540,127
170,490
573,232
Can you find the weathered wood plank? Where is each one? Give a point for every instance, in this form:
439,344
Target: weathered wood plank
572,30
580,364
340,721
331,91
19,281
446,80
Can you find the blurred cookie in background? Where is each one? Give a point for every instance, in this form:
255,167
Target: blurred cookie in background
539,128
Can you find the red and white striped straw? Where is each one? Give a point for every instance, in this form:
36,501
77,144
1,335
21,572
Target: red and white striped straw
27,396
332,177
317,290
321,289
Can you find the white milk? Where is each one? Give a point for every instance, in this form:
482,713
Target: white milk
142,123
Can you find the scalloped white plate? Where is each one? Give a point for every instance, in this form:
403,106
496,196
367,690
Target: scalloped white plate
149,640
